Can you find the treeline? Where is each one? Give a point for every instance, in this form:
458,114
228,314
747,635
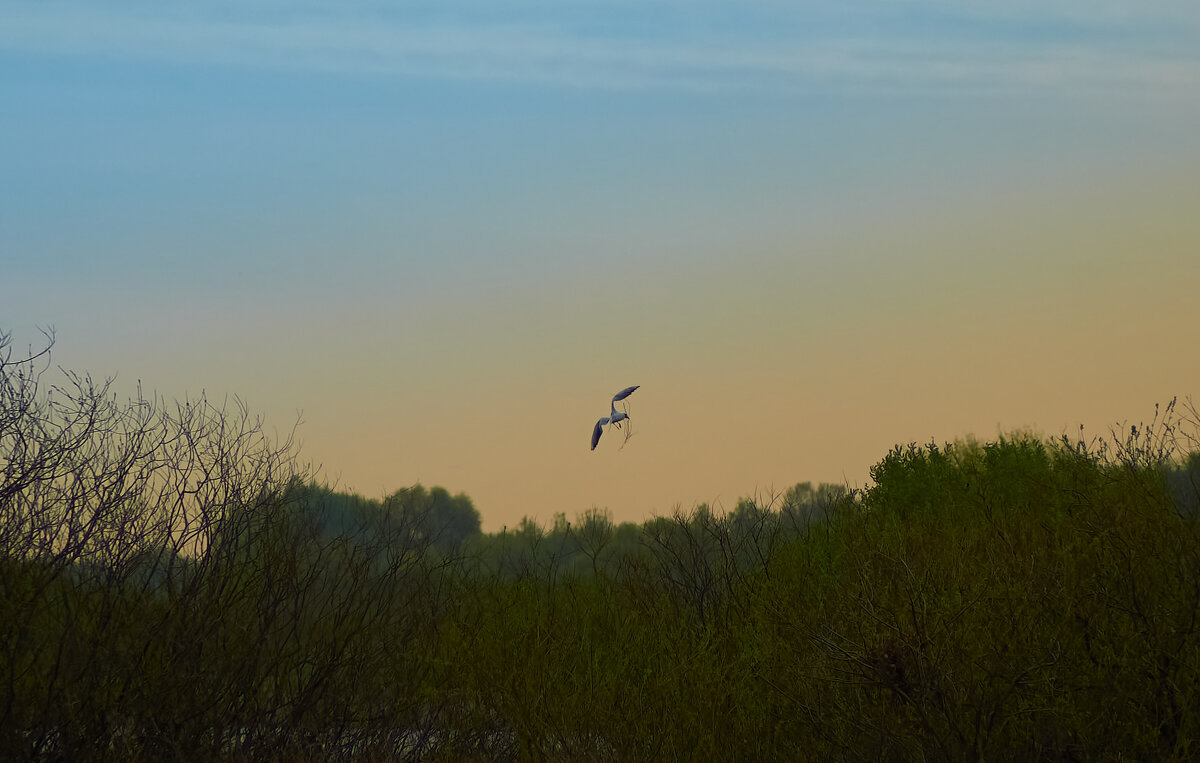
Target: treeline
175,586
592,543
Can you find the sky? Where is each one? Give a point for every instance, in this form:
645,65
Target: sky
441,235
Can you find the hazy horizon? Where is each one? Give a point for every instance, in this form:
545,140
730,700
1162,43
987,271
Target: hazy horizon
448,233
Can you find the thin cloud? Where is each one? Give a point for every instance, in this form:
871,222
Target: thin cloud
903,45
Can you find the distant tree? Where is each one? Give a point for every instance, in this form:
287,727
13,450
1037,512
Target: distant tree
334,513
445,521
802,503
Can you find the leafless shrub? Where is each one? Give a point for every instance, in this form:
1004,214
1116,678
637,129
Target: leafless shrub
170,587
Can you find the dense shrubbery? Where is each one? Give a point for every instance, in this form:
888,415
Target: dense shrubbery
174,586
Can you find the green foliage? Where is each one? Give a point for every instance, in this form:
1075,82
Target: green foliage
171,588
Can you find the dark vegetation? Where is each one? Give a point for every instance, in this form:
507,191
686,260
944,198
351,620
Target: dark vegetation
174,586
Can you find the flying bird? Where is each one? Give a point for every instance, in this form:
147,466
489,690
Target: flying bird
615,417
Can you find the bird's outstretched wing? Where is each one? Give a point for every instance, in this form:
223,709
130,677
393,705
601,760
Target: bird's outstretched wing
625,393
598,431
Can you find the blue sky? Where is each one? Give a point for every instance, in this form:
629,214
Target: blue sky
446,231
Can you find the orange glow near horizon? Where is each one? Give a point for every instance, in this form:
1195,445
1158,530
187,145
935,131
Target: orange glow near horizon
1041,316
804,242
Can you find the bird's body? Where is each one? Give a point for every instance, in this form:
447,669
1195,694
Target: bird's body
615,417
